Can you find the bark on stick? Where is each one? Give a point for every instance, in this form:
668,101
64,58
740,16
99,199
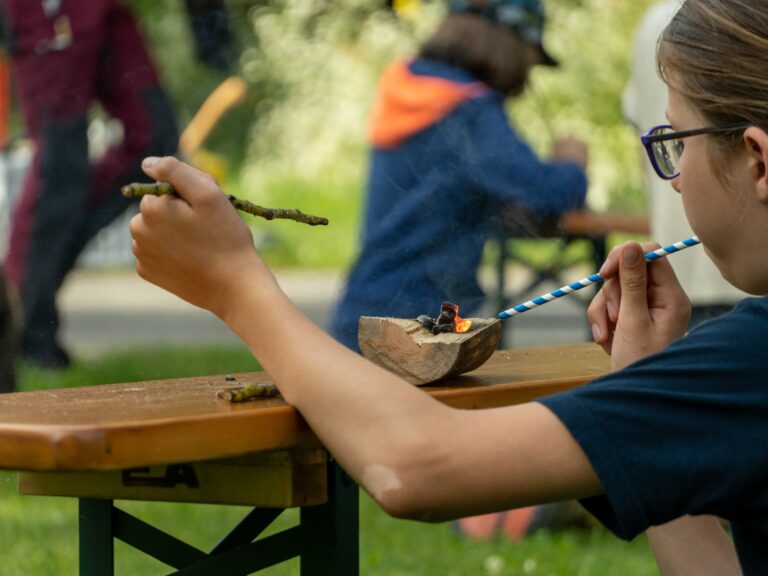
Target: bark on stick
164,188
245,393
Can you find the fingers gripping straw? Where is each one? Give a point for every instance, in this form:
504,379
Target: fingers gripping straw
594,279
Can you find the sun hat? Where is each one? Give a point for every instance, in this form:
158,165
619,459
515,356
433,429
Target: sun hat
524,17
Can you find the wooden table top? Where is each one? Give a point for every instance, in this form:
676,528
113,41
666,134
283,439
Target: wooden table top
584,223
588,223
117,426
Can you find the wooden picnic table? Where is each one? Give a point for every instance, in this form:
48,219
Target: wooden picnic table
175,440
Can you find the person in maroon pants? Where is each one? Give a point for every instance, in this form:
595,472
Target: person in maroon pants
66,56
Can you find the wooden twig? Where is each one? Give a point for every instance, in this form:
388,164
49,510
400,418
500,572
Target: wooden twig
164,188
250,392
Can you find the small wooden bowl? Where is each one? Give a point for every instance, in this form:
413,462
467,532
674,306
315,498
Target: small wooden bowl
405,347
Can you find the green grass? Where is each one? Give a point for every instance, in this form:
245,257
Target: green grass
38,535
138,364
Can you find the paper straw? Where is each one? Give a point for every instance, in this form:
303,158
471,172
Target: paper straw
594,279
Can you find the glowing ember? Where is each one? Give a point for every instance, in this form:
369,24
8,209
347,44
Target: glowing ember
461,324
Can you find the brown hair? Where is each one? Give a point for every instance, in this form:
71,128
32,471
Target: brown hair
493,54
713,53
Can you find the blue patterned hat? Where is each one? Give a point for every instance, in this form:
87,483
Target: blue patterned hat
524,17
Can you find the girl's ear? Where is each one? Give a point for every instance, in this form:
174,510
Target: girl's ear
756,140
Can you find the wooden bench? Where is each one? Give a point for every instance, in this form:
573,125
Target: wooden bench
592,228
176,441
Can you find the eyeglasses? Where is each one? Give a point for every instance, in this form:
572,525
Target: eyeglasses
665,146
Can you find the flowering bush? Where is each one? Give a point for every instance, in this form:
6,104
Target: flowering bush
320,61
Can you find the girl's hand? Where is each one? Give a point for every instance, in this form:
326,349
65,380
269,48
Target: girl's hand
641,308
194,245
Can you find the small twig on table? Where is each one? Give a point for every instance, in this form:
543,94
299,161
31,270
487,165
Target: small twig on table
250,392
164,188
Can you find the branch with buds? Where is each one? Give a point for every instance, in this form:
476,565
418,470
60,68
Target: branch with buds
164,188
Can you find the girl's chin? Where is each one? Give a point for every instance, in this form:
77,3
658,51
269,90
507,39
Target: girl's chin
746,282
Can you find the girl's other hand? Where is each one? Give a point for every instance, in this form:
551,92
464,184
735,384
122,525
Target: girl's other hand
194,245
641,308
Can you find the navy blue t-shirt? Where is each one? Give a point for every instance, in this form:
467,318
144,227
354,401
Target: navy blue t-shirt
682,432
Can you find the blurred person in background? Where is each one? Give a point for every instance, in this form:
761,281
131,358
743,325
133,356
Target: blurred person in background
8,315
5,93
444,161
211,28
644,105
67,56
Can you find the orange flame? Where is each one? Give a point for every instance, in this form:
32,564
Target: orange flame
461,324
449,318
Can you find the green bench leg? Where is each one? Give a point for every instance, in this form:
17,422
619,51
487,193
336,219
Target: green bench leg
329,540
326,539
97,550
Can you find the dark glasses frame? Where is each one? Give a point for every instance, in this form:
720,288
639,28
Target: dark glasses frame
649,139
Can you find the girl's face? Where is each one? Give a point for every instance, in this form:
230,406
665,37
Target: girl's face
724,210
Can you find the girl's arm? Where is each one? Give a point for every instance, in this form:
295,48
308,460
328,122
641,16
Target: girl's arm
415,456
693,545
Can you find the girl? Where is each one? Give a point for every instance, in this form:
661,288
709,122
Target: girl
671,440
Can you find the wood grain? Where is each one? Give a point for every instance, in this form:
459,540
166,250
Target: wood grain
588,223
406,348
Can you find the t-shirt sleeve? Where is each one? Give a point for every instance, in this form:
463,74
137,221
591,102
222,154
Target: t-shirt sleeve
680,432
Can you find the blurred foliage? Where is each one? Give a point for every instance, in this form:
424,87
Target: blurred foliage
592,40
321,61
312,67
189,82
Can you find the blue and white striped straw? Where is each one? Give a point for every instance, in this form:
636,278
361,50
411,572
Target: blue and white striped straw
594,279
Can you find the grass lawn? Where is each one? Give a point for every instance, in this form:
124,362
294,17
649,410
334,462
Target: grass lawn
38,535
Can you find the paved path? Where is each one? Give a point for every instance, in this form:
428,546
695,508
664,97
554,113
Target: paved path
105,311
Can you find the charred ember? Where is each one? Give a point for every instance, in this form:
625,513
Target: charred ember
426,321
448,314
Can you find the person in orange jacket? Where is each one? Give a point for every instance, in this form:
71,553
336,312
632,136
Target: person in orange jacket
445,159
